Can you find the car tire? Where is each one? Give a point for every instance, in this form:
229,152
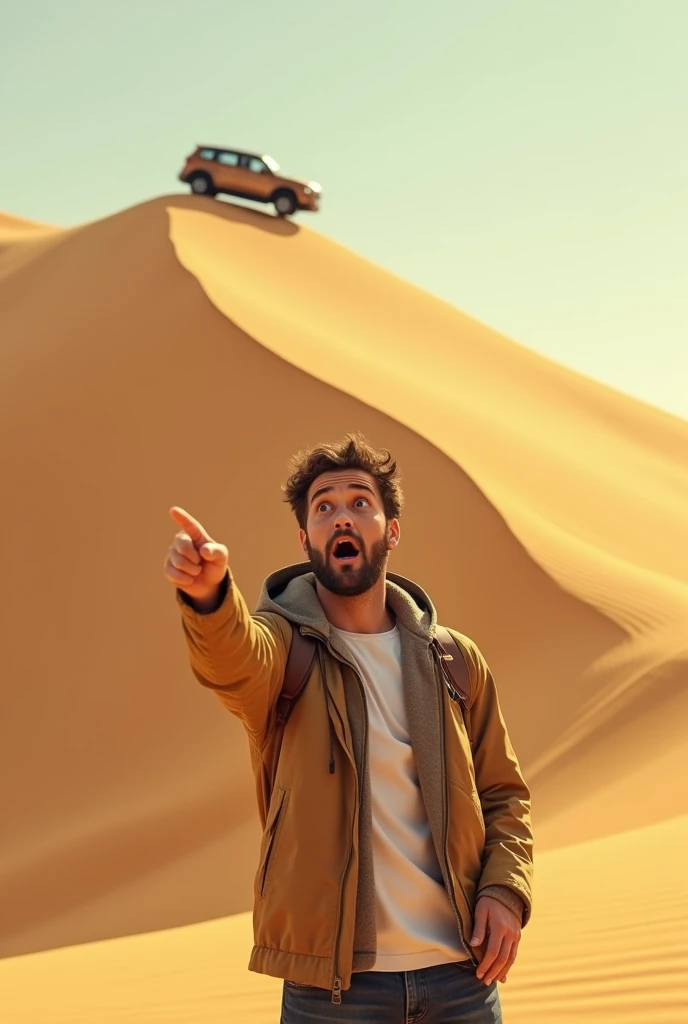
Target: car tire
284,203
202,185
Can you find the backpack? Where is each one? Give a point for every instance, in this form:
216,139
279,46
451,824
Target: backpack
302,655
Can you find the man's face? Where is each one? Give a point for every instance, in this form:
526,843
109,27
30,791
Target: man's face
345,506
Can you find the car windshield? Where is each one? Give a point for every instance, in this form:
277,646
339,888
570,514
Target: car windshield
272,164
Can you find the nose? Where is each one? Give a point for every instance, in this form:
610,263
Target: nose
343,519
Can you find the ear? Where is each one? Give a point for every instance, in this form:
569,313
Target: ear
303,537
393,534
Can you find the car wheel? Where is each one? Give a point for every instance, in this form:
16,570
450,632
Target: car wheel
202,185
285,203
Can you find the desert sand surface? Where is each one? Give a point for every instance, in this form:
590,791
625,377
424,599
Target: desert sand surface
178,353
600,949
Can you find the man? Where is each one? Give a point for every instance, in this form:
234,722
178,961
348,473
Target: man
396,861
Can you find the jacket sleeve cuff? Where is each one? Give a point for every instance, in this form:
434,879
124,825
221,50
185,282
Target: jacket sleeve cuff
507,896
187,606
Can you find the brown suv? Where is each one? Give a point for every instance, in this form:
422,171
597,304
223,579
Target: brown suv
210,170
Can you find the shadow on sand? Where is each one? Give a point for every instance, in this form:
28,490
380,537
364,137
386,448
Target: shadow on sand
232,211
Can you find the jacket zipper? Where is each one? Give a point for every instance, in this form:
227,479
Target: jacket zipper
337,981
445,823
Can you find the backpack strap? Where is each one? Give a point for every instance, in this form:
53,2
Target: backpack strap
456,674
299,663
454,665
302,653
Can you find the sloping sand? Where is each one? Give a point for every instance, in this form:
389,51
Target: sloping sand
178,353
601,948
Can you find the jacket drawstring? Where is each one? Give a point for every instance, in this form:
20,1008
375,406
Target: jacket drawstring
328,698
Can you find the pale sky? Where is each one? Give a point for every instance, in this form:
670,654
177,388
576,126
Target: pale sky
526,160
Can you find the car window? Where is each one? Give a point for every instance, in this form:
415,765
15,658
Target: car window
207,154
230,159
256,165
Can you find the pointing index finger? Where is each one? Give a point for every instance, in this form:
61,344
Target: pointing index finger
194,529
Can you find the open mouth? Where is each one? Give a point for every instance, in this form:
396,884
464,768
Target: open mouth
346,551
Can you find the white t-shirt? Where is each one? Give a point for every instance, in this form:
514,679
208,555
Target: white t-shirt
416,925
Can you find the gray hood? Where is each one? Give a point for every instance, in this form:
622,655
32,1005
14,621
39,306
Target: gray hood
291,592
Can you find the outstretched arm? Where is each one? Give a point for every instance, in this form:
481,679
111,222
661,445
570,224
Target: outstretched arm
239,656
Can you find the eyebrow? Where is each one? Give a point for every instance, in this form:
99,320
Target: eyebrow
351,487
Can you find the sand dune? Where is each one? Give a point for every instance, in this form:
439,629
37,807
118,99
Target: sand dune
15,229
177,353
601,948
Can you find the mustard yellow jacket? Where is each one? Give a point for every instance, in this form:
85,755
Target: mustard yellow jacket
314,907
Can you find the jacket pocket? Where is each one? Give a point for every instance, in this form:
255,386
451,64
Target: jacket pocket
270,840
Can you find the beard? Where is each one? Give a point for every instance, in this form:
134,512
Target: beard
345,581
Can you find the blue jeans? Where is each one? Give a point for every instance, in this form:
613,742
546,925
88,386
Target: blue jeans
447,994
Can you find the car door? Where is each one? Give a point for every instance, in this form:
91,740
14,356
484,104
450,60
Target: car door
260,182
227,174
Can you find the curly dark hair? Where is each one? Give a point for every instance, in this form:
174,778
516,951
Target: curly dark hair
352,452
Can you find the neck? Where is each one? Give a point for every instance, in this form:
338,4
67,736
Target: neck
366,613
